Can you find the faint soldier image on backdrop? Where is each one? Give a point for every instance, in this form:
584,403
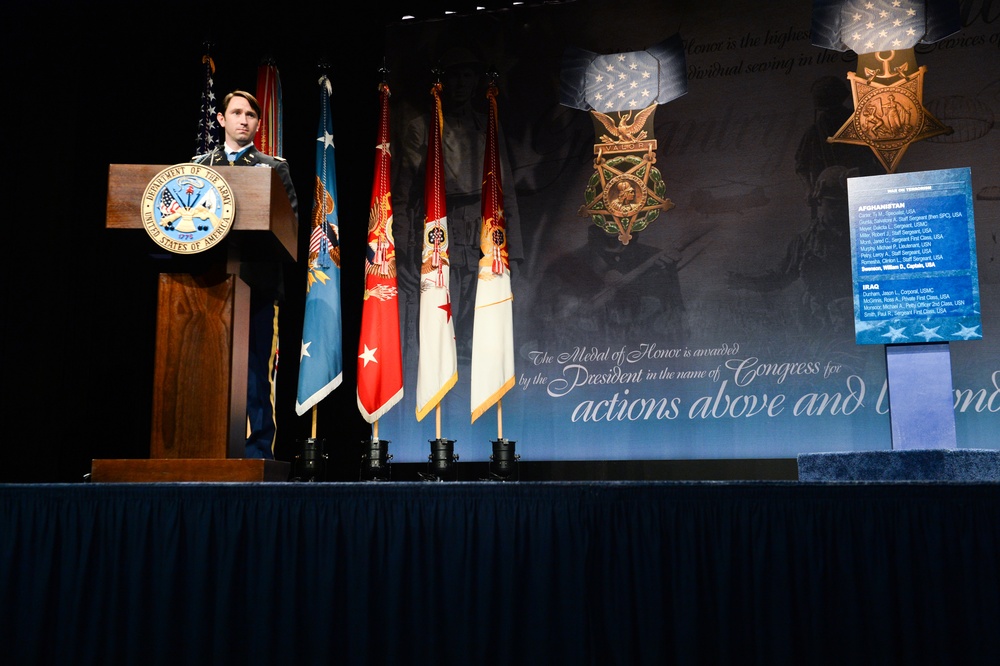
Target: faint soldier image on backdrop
820,257
463,107
815,154
603,291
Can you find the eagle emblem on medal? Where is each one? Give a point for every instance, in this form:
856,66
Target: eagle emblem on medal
621,92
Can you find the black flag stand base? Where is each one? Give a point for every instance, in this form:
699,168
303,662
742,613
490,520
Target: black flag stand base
503,462
441,461
375,460
310,463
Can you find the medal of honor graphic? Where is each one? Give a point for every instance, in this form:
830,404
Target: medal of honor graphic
621,92
889,111
188,208
626,192
888,86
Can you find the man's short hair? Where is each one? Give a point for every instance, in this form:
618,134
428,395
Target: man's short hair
245,95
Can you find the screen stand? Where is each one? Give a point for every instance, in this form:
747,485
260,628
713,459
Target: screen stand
921,399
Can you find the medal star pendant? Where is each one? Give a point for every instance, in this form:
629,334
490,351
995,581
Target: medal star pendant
888,118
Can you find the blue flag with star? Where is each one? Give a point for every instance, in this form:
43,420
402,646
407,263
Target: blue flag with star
321,359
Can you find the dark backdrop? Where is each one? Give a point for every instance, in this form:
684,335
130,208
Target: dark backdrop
92,84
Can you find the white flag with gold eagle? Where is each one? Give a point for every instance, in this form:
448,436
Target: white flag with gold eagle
437,368
493,326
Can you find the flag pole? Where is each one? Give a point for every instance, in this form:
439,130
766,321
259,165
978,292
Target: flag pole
380,364
321,370
384,71
437,366
493,370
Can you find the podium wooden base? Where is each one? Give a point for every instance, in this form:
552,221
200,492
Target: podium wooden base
241,470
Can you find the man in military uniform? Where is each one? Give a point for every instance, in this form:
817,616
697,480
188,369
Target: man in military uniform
240,119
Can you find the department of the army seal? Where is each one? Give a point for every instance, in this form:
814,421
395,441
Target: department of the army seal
188,208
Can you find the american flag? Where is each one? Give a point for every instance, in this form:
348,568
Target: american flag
168,204
320,242
208,126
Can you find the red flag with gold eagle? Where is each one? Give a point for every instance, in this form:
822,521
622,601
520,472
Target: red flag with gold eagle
380,358
493,327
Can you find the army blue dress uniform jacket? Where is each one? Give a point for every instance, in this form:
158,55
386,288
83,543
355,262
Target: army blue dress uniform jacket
266,282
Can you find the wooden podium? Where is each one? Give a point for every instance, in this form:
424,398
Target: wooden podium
202,329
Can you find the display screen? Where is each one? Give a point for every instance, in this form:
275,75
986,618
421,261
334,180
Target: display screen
914,257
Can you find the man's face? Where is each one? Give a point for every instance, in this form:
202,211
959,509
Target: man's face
834,214
460,83
240,122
